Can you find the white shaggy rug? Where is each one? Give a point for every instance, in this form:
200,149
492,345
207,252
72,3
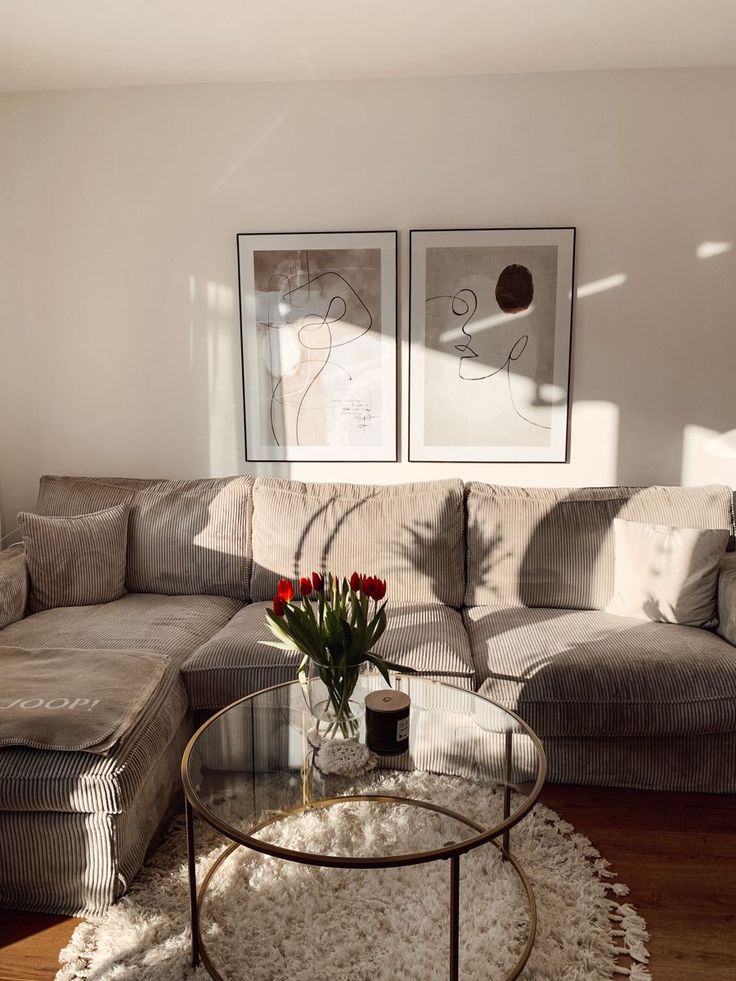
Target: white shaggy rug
269,920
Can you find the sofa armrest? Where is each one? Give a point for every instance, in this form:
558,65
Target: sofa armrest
13,585
727,598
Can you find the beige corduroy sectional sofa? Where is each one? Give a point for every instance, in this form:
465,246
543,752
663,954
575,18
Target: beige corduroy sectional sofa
501,589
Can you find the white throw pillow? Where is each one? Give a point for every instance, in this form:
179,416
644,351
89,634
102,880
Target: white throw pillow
666,574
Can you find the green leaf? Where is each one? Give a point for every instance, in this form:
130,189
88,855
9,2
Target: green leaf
380,664
400,668
376,628
347,638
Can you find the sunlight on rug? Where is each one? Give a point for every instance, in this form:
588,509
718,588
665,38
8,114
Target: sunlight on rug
269,920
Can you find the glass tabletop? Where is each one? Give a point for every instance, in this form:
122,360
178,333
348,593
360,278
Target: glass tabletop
473,769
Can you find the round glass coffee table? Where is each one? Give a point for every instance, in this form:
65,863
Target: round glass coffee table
252,765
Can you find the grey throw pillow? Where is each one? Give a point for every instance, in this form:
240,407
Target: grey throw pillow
75,561
666,574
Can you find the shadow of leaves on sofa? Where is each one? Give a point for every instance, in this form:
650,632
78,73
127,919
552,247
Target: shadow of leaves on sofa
425,565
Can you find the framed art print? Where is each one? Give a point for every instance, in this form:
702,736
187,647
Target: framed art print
318,337
489,347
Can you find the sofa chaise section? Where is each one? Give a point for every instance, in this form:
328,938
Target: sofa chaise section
173,626
75,826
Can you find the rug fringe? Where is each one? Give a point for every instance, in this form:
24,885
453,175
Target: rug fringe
75,957
636,972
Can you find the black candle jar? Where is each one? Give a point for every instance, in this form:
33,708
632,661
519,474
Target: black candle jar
387,722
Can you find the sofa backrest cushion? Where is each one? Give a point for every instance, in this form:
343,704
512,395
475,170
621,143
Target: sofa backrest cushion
409,534
185,537
553,547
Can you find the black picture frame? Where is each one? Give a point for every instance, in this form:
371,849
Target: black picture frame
291,449
539,240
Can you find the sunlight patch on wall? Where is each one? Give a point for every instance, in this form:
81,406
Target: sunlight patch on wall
601,285
223,368
708,456
595,442
706,250
192,301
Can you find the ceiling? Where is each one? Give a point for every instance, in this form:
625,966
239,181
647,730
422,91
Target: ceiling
70,44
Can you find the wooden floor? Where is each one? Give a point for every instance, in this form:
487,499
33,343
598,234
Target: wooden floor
677,852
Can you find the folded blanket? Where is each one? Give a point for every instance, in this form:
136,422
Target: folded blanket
74,700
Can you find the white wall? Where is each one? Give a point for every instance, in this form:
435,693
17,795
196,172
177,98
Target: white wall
119,351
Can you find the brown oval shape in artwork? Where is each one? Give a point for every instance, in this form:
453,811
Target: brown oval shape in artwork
515,289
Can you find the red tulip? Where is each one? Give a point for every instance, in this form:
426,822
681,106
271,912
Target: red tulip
355,582
278,605
318,582
367,586
305,585
379,589
285,590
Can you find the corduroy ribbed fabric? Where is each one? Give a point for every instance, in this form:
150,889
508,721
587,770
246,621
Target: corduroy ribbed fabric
49,780
77,863
75,561
430,638
697,764
411,535
727,598
553,547
185,537
170,625
593,674
14,585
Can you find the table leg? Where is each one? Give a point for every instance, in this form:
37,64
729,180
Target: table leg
194,913
507,788
454,918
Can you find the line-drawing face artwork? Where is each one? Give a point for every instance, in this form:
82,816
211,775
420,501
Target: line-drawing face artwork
490,329
498,333
323,354
514,293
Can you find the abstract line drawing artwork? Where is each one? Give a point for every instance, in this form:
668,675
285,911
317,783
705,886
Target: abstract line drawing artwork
318,332
489,352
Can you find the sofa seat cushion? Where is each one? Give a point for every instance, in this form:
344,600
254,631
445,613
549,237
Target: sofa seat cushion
169,625
234,663
589,673
79,782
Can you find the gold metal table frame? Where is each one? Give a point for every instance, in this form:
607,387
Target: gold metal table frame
451,852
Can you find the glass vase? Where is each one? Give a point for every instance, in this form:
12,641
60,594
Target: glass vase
329,694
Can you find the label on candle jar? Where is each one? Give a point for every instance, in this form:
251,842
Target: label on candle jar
402,729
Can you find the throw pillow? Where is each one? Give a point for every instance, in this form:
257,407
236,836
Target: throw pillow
75,561
666,574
